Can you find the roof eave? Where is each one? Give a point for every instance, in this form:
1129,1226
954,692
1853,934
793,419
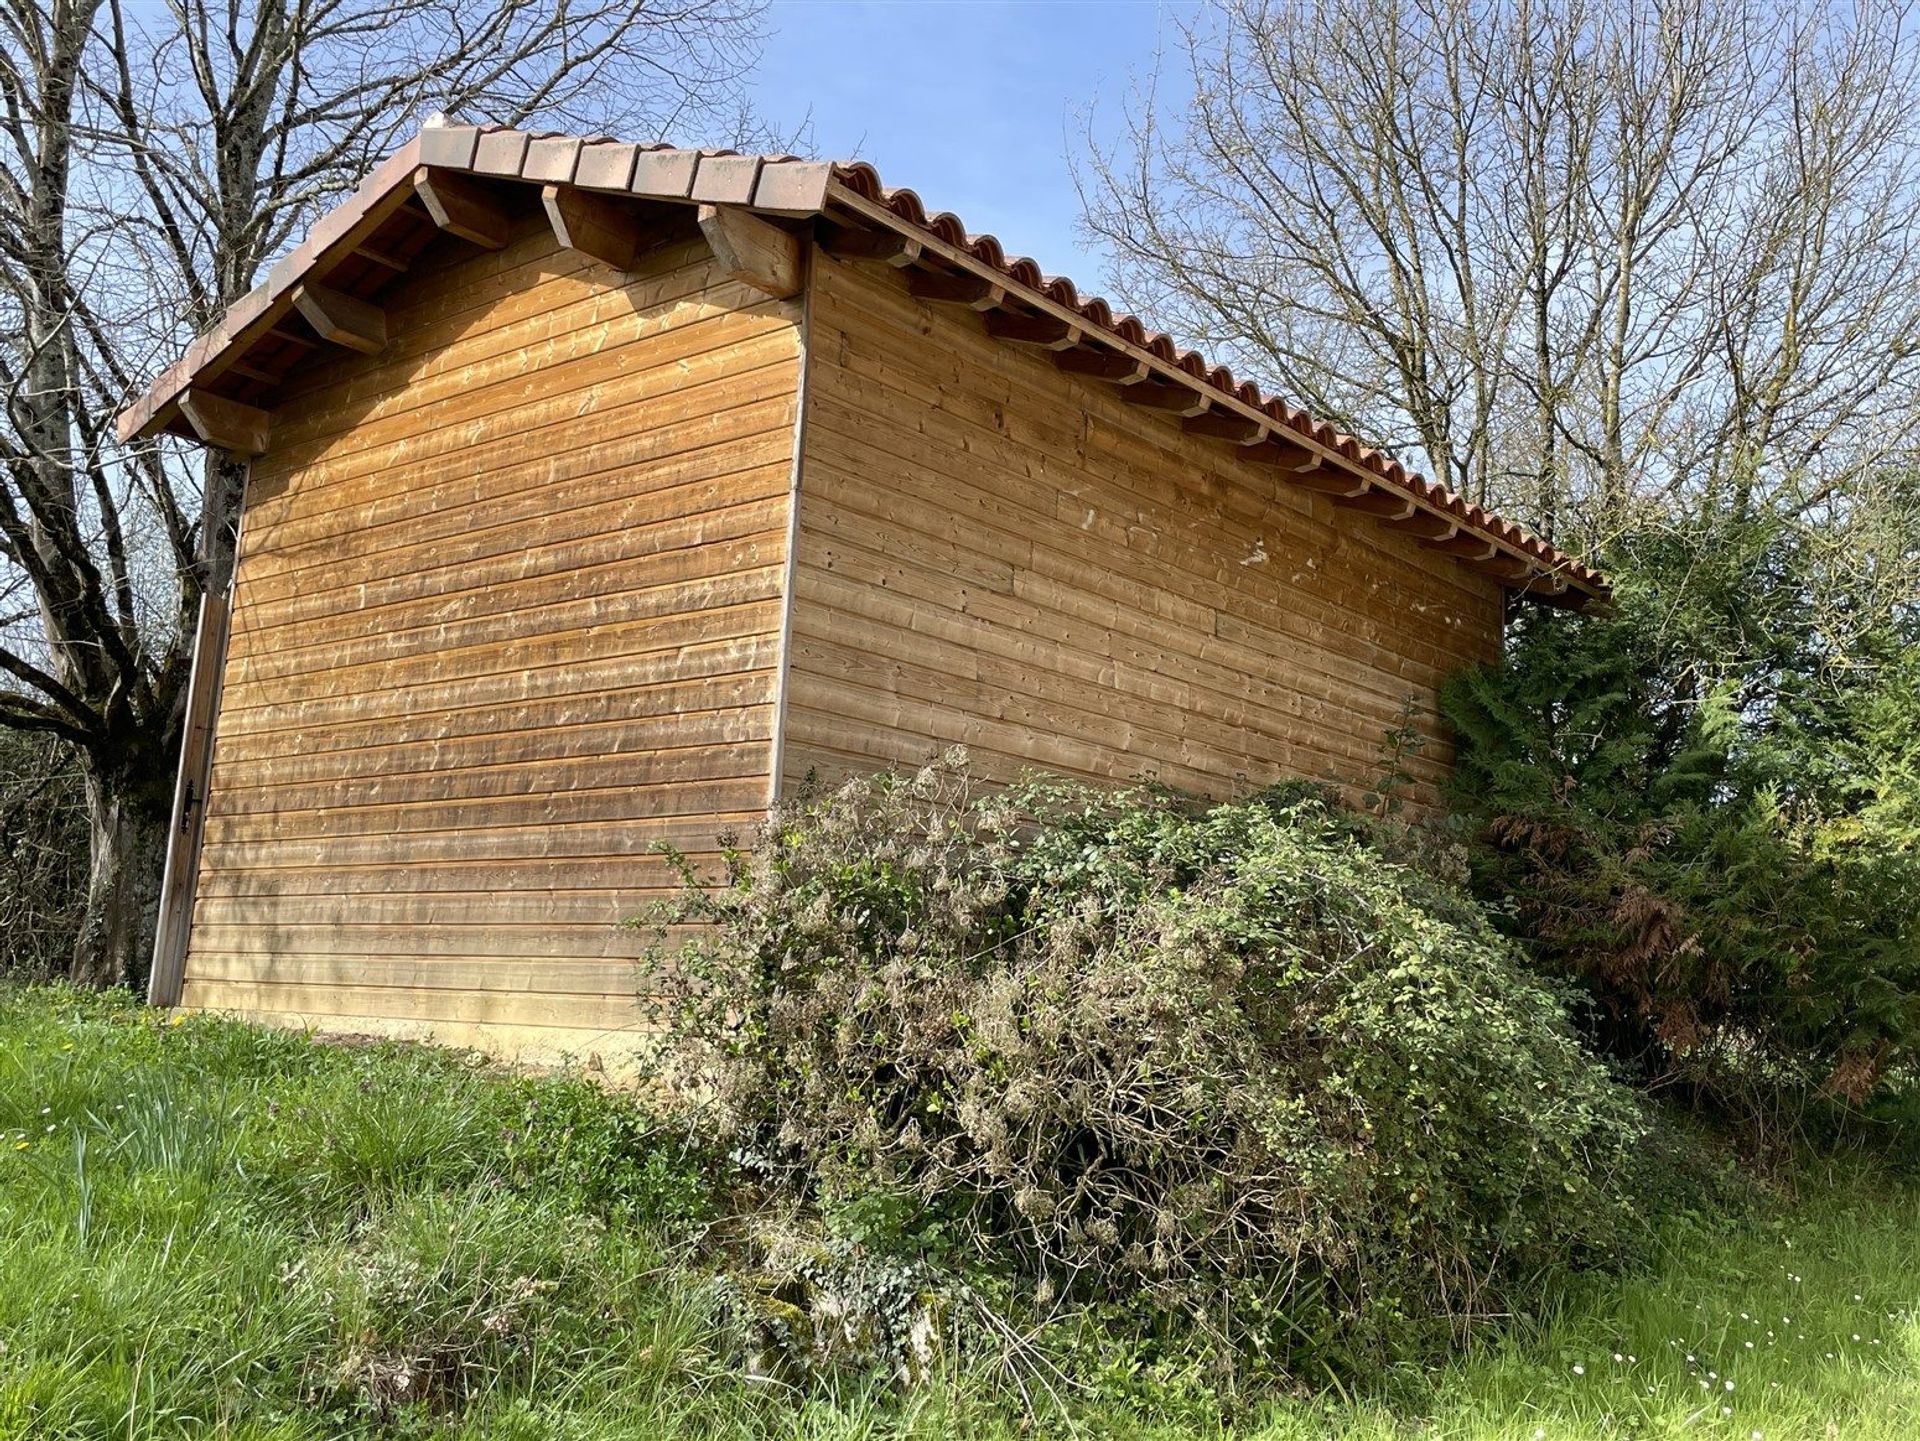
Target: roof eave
1550,575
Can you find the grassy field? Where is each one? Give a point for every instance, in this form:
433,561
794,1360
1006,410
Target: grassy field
207,1229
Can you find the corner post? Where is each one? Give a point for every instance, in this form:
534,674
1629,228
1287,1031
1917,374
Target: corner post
168,976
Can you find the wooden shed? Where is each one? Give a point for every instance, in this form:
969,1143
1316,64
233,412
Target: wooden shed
600,493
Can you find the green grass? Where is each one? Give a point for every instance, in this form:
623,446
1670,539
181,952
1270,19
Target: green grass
212,1230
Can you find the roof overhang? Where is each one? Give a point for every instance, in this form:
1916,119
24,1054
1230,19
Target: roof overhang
323,293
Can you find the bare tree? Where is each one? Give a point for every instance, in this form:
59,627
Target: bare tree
157,158
1578,254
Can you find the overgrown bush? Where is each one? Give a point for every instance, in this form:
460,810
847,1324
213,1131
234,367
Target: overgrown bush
1234,1066
1704,804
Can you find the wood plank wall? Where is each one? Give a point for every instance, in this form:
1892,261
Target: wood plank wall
507,613
995,553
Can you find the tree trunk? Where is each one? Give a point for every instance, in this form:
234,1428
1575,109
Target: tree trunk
128,812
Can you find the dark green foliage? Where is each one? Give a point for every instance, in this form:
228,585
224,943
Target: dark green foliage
1705,805
43,855
1234,1067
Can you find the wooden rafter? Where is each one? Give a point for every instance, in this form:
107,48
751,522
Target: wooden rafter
1464,545
225,424
1381,504
1424,524
1225,425
592,224
971,290
1502,567
1041,330
1102,365
381,258
463,206
848,243
753,251
1158,395
342,319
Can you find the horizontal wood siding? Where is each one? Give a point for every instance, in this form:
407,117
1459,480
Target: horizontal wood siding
994,553
507,614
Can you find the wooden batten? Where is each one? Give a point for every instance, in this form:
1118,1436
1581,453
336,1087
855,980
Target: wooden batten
228,425
342,319
753,251
463,206
592,224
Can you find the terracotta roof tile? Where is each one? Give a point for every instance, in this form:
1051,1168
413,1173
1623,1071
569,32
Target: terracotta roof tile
665,172
606,165
725,179
501,152
552,161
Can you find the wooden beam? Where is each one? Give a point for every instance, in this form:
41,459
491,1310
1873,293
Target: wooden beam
1160,395
1385,504
1041,330
227,424
1225,425
462,206
592,224
341,318
1424,524
753,251
1102,365
974,290
894,248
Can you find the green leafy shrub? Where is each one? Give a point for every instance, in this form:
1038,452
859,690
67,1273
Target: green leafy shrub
1234,1066
1704,805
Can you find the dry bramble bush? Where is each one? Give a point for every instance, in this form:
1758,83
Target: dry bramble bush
1236,1065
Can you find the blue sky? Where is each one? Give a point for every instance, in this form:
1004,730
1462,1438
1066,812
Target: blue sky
974,105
